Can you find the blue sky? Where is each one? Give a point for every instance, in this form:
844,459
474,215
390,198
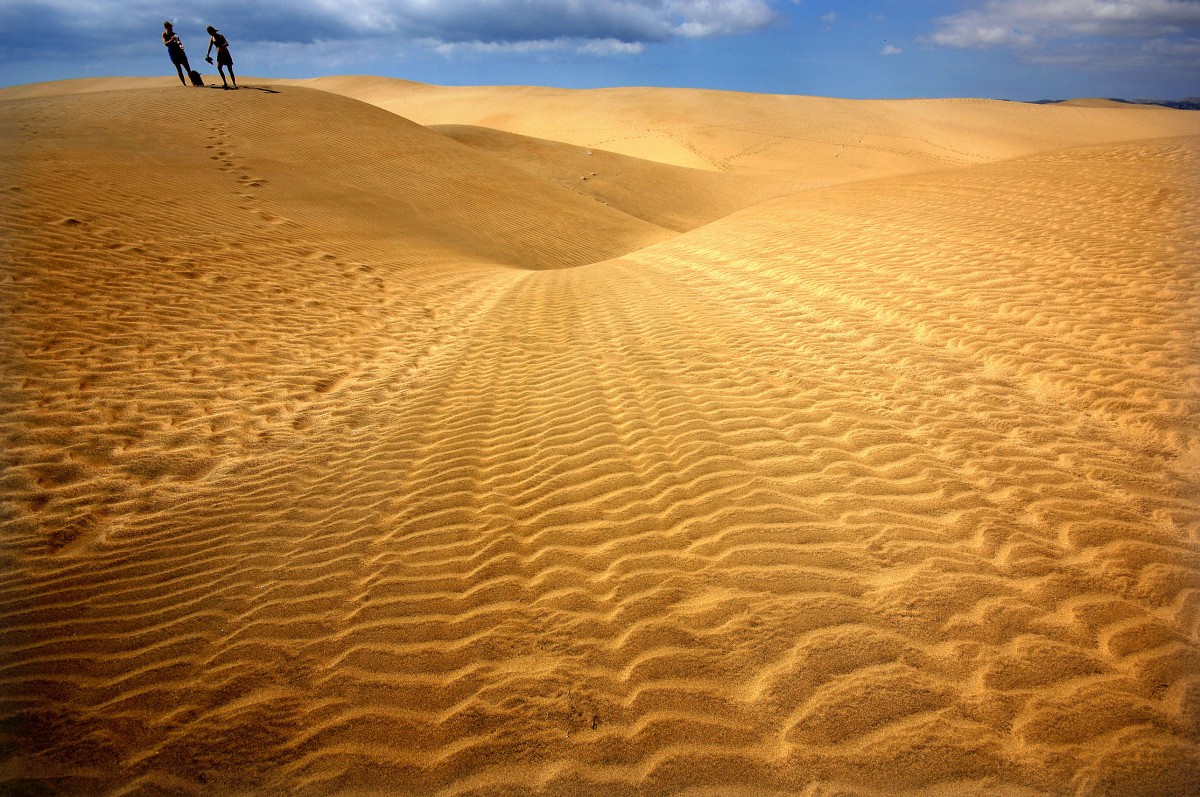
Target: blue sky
1015,49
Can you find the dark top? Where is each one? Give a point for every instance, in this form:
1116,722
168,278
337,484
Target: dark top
174,45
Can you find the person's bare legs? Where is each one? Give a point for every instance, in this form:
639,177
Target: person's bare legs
232,76
184,68
221,70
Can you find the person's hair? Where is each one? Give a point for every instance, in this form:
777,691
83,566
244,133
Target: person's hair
211,29
168,25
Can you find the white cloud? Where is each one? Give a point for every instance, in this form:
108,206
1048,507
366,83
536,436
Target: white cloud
609,47
1026,23
890,49
700,18
597,47
829,18
480,47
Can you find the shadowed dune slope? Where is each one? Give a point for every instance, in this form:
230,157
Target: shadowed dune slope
882,488
674,197
1098,102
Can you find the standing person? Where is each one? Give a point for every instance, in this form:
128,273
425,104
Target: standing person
175,50
224,59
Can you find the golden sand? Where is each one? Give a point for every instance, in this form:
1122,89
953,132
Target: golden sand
619,442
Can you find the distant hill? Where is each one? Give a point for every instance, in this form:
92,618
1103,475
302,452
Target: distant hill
1186,104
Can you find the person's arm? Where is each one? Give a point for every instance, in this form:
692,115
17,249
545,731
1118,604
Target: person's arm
211,42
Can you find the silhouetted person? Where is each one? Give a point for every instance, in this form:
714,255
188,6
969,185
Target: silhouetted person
224,59
175,50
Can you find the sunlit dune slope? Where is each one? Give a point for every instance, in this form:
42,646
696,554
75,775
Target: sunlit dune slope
343,456
62,88
816,139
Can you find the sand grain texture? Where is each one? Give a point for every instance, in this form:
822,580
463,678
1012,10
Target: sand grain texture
347,455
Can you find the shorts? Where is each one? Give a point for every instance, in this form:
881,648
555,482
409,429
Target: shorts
178,57
223,57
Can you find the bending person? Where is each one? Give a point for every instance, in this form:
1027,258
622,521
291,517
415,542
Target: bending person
175,50
224,59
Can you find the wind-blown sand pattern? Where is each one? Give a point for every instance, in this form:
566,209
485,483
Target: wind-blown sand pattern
348,455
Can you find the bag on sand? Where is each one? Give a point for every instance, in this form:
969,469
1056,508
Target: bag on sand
196,79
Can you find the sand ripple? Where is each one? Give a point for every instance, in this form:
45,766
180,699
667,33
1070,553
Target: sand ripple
881,488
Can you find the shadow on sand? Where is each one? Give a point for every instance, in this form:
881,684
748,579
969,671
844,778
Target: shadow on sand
242,88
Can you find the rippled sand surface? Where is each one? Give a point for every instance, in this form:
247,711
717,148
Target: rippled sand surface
368,437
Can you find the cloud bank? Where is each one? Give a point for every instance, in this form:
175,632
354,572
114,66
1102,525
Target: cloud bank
1022,24
1129,40
82,27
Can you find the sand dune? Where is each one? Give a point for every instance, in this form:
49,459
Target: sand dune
818,140
678,198
346,455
